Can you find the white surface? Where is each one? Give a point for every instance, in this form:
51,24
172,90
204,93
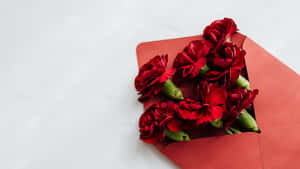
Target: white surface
67,99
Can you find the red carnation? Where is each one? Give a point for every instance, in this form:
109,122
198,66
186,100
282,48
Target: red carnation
210,107
237,100
226,61
152,76
219,31
155,119
190,60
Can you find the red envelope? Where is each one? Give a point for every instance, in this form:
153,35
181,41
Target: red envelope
276,111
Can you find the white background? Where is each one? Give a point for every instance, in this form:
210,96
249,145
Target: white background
67,99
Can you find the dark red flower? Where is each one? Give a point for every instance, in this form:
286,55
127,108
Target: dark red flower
226,61
224,56
210,106
190,60
237,100
152,76
156,118
219,31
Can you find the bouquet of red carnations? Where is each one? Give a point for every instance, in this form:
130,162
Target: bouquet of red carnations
207,86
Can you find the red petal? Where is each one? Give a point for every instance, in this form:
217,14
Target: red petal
216,112
182,59
197,66
174,125
234,75
239,62
186,70
168,74
217,96
251,98
214,74
151,140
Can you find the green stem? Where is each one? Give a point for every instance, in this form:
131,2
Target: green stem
236,131
177,136
246,121
228,132
219,124
232,130
172,91
243,83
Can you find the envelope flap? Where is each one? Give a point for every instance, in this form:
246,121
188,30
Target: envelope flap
276,107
